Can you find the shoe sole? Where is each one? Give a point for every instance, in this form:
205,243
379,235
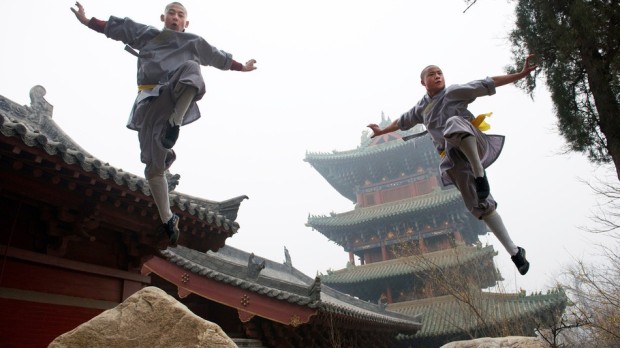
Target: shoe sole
523,269
174,238
526,266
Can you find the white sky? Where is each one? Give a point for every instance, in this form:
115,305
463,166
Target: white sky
325,70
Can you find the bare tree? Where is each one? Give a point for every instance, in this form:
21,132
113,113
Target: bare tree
477,313
595,291
607,214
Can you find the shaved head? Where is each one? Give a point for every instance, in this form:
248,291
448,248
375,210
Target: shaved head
177,4
425,70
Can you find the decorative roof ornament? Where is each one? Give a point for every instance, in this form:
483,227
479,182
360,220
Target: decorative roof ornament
287,258
315,290
41,108
254,267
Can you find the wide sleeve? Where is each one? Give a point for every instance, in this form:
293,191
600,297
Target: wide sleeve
410,118
210,55
129,32
472,90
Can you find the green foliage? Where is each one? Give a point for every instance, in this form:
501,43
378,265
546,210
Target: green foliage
577,45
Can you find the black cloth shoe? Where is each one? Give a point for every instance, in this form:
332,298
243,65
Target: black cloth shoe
482,187
172,229
170,137
520,261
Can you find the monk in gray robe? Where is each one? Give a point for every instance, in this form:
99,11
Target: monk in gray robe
465,150
169,85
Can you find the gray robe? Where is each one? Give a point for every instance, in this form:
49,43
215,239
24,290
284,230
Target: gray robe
165,59
448,120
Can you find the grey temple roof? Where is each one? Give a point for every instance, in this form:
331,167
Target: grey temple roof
34,126
282,282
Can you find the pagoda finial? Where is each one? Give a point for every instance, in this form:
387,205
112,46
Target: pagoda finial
382,116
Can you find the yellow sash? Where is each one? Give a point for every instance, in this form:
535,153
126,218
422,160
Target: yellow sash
479,123
143,87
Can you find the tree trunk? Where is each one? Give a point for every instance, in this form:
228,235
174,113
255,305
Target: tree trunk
599,81
598,69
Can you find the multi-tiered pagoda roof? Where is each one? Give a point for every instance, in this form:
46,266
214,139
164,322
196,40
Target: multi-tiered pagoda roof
375,159
446,319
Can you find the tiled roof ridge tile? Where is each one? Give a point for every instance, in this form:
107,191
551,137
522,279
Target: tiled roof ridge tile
190,260
313,294
361,215
405,265
363,151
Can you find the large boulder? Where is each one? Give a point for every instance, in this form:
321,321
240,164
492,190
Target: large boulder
499,342
149,318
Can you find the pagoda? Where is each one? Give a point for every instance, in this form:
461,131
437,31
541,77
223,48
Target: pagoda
406,228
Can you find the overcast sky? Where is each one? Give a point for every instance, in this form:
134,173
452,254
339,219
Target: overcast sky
325,70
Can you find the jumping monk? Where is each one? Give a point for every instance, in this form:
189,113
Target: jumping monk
169,85
466,151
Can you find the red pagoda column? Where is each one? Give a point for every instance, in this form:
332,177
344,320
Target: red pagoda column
458,236
383,251
422,245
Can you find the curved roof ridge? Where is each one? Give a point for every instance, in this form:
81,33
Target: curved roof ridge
407,265
226,266
407,205
444,315
363,151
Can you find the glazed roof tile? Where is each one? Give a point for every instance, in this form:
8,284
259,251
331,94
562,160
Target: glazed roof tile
348,170
407,265
361,216
416,138
282,282
445,316
34,126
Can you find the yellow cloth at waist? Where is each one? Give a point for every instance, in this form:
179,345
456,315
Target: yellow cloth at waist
143,87
479,123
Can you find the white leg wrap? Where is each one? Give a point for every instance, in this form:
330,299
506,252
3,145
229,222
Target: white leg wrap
159,191
496,225
469,147
184,99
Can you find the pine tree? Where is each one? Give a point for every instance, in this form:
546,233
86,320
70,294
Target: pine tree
577,43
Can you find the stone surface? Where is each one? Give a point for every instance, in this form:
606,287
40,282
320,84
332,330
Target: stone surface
499,342
149,318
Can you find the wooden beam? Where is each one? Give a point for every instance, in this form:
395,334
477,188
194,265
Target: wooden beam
48,260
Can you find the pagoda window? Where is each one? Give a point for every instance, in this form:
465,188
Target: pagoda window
423,187
370,199
373,255
396,194
432,244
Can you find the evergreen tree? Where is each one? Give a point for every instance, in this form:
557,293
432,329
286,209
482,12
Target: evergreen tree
577,43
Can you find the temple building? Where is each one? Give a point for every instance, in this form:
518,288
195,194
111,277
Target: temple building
273,303
413,245
78,236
